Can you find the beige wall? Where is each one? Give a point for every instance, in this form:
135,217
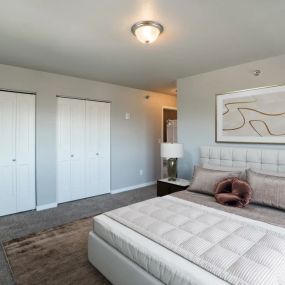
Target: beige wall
134,142
196,103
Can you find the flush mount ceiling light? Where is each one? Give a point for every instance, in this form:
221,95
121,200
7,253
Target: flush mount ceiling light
147,32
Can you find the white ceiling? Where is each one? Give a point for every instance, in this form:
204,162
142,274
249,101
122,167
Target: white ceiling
92,38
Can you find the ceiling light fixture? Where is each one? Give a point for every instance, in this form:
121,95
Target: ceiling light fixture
147,32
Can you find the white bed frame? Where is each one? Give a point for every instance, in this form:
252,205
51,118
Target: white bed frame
120,270
117,268
267,160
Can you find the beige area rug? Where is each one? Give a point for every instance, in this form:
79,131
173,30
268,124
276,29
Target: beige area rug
54,256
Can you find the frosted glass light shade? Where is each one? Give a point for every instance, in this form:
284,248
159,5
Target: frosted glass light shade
147,31
171,150
147,34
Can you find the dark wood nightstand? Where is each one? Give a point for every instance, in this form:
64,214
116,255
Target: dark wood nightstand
165,187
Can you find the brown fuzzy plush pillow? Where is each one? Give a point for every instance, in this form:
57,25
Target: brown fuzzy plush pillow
224,186
243,190
233,192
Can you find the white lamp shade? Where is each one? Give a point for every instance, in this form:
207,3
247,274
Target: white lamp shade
171,150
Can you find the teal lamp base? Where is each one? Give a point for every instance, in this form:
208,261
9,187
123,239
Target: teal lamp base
172,169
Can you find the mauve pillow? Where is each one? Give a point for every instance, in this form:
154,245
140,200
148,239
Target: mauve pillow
233,192
226,168
268,190
204,180
267,172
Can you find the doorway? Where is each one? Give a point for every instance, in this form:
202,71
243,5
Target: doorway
169,132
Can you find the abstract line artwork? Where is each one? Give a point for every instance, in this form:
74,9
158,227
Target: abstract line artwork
251,116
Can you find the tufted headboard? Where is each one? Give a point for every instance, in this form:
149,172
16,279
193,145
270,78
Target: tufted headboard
262,159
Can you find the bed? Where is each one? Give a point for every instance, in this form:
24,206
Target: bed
122,250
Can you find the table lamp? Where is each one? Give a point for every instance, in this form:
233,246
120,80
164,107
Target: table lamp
171,151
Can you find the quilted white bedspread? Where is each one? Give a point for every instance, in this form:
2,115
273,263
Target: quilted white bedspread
236,249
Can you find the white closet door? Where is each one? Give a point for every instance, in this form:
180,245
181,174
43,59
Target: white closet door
8,197
25,152
17,152
77,148
97,148
103,132
92,151
63,150
70,149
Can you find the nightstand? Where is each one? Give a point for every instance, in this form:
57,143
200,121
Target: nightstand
166,187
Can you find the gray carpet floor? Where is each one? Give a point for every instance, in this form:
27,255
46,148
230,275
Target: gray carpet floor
22,224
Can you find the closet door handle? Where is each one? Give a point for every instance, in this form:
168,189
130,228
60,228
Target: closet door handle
97,153
72,155
14,159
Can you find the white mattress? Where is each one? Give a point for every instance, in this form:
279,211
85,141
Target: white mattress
160,262
236,249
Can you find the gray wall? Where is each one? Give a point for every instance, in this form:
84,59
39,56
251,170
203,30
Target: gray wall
134,142
196,103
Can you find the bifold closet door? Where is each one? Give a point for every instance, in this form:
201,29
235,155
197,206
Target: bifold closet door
17,152
70,149
97,148
8,197
63,150
83,134
77,149
25,152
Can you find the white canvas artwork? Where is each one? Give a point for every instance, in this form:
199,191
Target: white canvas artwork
251,116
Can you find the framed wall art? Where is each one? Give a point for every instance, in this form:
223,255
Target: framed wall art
251,116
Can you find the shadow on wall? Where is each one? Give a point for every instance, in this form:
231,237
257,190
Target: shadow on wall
184,164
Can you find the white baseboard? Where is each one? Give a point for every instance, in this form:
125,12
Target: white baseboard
46,206
115,191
